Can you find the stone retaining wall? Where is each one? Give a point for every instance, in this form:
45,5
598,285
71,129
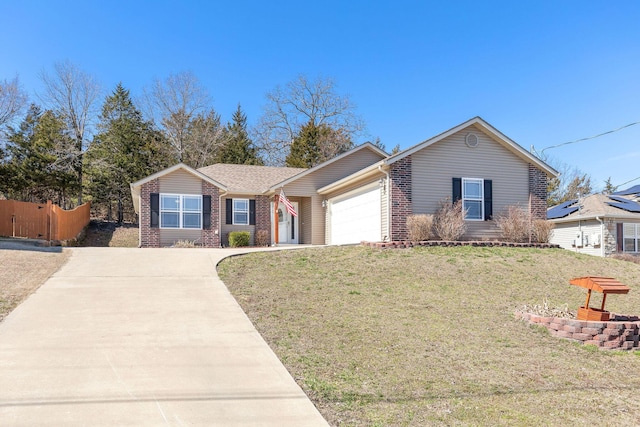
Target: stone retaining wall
621,333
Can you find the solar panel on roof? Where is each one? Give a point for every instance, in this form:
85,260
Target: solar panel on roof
624,204
562,210
632,190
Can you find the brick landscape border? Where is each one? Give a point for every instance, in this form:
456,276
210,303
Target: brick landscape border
408,244
621,333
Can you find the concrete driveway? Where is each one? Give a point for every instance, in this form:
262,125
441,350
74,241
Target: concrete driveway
142,337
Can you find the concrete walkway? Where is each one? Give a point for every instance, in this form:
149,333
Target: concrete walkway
142,337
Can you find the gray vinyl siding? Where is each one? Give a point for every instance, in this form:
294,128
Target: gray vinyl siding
228,228
179,182
305,221
434,167
565,234
309,184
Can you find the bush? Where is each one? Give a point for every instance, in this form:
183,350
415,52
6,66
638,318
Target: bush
239,238
513,223
541,231
184,244
262,238
420,227
627,257
448,222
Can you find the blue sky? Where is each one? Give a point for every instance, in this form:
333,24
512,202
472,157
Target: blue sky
543,72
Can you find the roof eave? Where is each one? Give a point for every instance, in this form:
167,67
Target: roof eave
367,145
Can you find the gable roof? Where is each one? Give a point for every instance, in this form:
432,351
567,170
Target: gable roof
509,144
135,186
366,145
595,205
248,179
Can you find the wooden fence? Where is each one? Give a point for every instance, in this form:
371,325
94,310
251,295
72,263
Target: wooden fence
44,221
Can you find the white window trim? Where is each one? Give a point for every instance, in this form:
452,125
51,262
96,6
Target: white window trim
635,237
481,199
233,212
180,211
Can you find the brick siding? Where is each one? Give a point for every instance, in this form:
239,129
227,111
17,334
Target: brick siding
538,192
263,215
149,237
211,237
400,175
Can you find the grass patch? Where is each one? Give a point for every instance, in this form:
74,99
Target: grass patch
23,271
427,336
110,234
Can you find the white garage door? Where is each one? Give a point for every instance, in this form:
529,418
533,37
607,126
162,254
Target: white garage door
356,217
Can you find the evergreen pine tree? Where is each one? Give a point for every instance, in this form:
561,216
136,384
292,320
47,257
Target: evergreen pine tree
238,148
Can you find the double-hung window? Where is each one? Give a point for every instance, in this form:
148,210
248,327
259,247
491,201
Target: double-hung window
631,233
473,198
180,211
241,211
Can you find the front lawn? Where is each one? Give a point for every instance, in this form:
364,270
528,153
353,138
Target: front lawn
427,336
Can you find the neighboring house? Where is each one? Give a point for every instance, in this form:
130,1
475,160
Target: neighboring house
362,194
599,224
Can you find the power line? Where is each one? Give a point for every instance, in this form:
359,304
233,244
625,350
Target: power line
590,137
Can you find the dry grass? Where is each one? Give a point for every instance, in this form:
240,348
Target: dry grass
23,271
420,227
427,336
448,221
110,234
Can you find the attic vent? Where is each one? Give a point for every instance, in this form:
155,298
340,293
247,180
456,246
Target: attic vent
472,140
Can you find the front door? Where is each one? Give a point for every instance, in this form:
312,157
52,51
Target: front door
287,224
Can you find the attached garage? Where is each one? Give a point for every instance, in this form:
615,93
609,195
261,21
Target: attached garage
355,216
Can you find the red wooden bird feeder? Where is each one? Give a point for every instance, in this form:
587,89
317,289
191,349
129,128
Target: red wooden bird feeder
605,285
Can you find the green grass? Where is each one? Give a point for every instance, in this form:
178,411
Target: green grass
427,336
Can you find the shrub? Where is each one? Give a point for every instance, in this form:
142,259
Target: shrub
262,238
627,257
184,244
448,222
513,223
239,238
541,231
420,227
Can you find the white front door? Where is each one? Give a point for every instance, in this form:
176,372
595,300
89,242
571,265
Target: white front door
287,224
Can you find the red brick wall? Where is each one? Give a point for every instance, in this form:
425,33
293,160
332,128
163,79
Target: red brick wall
149,237
538,192
263,215
400,175
211,237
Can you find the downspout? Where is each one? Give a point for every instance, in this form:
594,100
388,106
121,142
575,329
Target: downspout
602,239
388,194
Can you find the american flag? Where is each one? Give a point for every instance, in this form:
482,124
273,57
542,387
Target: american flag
283,199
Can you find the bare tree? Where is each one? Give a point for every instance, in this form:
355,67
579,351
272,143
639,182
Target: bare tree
72,93
12,100
299,103
206,137
173,104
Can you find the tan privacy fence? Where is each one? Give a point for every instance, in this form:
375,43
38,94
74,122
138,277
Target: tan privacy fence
44,221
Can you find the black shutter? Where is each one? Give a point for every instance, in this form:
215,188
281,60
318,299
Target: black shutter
457,189
488,200
155,210
619,238
229,205
206,212
252,212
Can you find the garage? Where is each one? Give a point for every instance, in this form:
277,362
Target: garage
355,216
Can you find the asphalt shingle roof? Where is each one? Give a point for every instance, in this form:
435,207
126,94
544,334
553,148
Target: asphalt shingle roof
248,179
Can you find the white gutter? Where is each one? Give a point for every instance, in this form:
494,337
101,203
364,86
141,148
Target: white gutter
602,239
388,193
